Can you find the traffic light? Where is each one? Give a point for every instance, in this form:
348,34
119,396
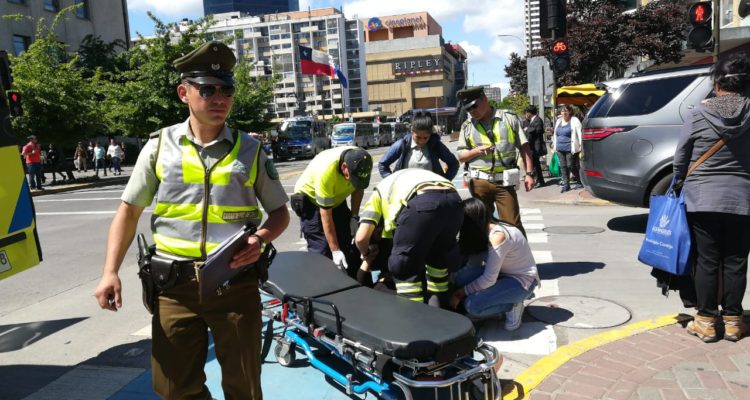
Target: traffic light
14,104
552,19
560,52
701,33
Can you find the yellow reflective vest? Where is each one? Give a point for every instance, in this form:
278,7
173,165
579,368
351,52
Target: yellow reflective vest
198,207
502,137
323,182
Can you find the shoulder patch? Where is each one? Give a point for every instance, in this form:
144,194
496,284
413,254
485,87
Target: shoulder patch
271,170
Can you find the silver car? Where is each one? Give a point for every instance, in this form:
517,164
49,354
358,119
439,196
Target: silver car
630,134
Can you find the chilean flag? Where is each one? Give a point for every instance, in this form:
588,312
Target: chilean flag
314,62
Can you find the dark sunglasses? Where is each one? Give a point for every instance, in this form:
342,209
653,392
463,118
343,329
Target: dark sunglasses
208,91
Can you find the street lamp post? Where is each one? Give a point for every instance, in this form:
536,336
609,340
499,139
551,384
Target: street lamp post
526,50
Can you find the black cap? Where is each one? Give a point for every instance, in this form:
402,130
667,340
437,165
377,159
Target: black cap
359,163
211,63
531,109
469,96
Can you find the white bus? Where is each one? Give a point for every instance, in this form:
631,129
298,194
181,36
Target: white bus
353,134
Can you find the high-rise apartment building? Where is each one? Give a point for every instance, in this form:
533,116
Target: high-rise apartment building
531,26
106,19
271,44
249,7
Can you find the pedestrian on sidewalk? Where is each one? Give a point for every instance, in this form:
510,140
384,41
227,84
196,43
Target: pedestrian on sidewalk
717,199
566,141
190,219
115,154
535,134
81,156
508,276
33,156
99,159
54,163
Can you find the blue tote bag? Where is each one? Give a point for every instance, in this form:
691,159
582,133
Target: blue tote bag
667,242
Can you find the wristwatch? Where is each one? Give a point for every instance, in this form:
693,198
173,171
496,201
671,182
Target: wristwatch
531,174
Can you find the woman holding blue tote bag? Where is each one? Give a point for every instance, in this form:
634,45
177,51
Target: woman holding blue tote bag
717,199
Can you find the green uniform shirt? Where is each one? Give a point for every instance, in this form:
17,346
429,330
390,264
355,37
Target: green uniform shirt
323,181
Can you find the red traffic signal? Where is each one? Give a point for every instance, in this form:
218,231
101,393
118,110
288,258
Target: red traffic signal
14,104
559,50
559,47
700,13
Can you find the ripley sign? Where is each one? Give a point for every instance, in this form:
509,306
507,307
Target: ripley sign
420,65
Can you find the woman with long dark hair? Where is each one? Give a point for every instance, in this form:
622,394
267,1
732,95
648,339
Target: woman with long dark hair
509,274
717,199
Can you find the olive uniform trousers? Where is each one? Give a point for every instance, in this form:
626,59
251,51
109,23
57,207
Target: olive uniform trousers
505,199
180,340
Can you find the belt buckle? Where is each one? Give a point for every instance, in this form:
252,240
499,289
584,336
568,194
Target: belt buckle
197,265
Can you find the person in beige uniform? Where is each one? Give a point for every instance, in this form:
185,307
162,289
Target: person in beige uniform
489,142
208,181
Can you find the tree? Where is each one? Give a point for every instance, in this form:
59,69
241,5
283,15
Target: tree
516,71
251,100
58,102
143,98
516,103
94,53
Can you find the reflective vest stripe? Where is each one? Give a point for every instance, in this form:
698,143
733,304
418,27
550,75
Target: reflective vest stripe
436,272
504,156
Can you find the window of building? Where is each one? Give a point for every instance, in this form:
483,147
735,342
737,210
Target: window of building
52,5
83,10
17,1
20,44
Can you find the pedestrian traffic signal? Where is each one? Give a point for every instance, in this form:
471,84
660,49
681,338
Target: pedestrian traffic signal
14,104
560,52
552,19
701,33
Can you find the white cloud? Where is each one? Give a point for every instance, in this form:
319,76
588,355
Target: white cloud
493,17
503,46
473,52
168,8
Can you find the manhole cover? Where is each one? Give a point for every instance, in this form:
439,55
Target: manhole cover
573,230
578,312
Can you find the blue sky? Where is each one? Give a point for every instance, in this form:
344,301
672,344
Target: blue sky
474,24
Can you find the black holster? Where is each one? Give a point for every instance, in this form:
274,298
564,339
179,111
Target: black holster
150,292
297,203
265,260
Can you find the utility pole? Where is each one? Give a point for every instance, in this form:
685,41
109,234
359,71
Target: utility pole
717,29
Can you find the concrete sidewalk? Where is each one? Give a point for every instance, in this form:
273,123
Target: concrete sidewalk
653,359
550,193
83,180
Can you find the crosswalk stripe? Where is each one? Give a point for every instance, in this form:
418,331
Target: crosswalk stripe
145,331
530,227
530,217
526,211
537,237
542,256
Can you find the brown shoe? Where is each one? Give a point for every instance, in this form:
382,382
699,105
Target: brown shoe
734,327
704,328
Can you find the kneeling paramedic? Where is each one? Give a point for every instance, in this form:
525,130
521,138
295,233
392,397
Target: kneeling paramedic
423,213
208,181
320,202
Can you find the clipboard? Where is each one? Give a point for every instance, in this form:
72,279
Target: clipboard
215,275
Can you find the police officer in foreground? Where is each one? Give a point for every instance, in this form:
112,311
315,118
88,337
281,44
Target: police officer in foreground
320,201
489,142
422,212
208,181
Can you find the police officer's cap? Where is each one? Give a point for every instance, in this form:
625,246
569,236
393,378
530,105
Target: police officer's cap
211,64
359,163
469,96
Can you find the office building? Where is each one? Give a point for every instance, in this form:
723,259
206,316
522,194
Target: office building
249,7
271,44
531,26
410,65
107,19
493,93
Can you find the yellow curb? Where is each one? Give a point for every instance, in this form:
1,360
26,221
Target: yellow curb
530,378
299,172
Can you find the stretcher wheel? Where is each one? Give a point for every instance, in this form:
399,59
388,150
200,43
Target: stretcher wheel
285,353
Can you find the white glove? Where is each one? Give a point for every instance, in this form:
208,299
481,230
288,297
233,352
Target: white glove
354,225
340,260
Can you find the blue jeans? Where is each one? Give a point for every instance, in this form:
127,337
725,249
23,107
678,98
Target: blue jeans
496,299
35,175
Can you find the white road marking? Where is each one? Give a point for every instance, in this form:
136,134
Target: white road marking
529,227
530,217
84,199
148,210
532,337
542,256
145,331
537,237
527,211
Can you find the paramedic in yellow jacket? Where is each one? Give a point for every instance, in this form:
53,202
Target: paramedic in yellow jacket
208,181
489,142
422,213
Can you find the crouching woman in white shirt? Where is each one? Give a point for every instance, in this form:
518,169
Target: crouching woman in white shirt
508,276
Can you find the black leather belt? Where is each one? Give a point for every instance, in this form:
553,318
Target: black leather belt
186,268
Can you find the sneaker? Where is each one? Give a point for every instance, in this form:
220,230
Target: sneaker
513,317
704,328
565,188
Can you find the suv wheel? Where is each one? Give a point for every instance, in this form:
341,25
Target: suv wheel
660,187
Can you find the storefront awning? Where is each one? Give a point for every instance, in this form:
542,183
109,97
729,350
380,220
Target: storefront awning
585,94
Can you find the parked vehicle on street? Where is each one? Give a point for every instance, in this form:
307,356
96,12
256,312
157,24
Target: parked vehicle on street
302,137
398,130
353,134
631,132
383,134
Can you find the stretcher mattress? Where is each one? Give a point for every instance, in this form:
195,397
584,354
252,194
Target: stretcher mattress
383,322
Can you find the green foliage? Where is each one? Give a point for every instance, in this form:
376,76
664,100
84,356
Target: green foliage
251,99
58,102
516,72
517,103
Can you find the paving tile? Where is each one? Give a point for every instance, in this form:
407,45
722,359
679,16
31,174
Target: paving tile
639,375
711,380
646,393
694,366
592,355
570,396
627,360
672,394
665,363
602,372
722,362
614,365
661,384
709,394
664,375
740,390
551,383
592,380
687,379
621,390
569,368
582,389
540,396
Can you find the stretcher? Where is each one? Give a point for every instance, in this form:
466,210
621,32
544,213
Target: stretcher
392,347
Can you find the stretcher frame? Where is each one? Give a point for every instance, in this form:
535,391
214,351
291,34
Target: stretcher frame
295,314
